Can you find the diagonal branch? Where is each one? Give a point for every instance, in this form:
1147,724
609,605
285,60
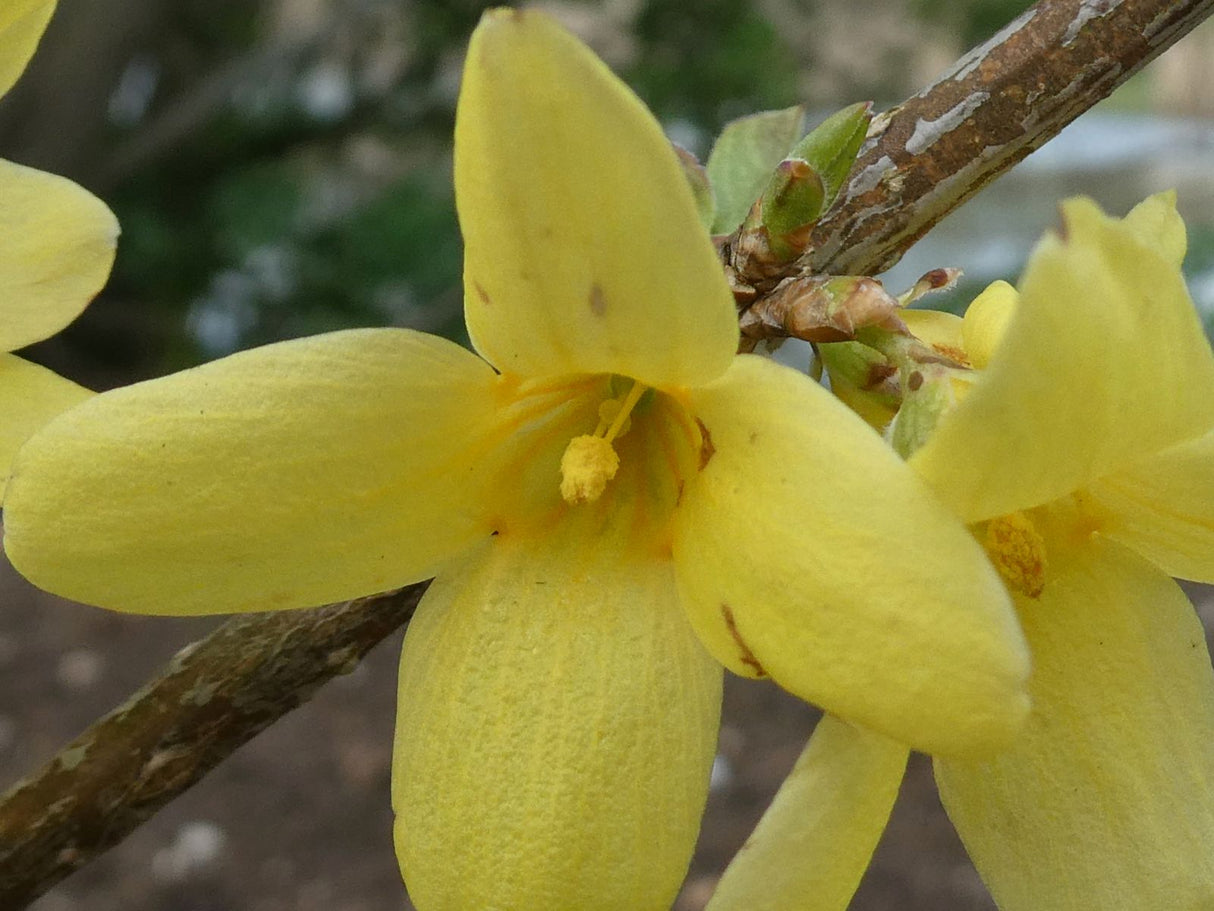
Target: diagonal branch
927,156
994,106
214,696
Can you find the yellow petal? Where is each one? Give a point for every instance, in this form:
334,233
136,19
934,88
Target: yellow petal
1106,799
556,727
1163,507
1103,363
291,475
1158,224
583,249
56,248
22,23
814,842
30,396
940,330
807,550
986,321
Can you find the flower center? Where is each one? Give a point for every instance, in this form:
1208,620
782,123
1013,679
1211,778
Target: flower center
590,461
1018,552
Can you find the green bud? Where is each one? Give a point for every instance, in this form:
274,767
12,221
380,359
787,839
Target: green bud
863,379
928,393
791,204
831,147
743,158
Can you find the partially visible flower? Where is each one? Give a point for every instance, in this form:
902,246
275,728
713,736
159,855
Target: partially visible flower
56,248
1083,455
615,494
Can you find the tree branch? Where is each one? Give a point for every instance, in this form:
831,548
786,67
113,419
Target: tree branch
993,107
924,158
214,696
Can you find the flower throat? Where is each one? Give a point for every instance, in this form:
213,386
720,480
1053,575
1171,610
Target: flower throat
590,461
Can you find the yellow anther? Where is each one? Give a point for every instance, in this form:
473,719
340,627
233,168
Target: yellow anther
588,464
1018,552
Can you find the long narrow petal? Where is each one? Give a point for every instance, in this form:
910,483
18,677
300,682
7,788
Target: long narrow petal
1163,507
22,23
1106,799
556,728
1104,361
814,842
30,396
807,550
57,244
583,249
290,475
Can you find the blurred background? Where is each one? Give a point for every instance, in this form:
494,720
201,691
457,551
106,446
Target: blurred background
281,168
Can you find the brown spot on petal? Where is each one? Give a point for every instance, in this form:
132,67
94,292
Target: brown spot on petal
481,293
744,653
914,381
706,448
598,303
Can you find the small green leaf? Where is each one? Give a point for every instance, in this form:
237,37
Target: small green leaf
701,187
832,145
743,158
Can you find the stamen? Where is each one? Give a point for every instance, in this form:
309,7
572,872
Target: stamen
1018,552
590,461
630,400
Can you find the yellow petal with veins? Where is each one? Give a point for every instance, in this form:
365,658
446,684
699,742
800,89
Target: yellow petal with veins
56,248
583,249
1163,507
30,396
808,551
292,475
1106,798
1103,362
814,842
556,726
22,23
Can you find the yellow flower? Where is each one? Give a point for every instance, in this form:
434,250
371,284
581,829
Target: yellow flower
1083,455
56,248
615,493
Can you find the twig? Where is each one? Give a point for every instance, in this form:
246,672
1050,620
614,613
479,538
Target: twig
927,156
215,695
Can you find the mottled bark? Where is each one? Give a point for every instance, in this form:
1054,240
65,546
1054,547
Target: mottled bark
922,160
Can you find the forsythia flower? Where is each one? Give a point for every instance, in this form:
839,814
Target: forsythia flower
614,494
1083,455
56,248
